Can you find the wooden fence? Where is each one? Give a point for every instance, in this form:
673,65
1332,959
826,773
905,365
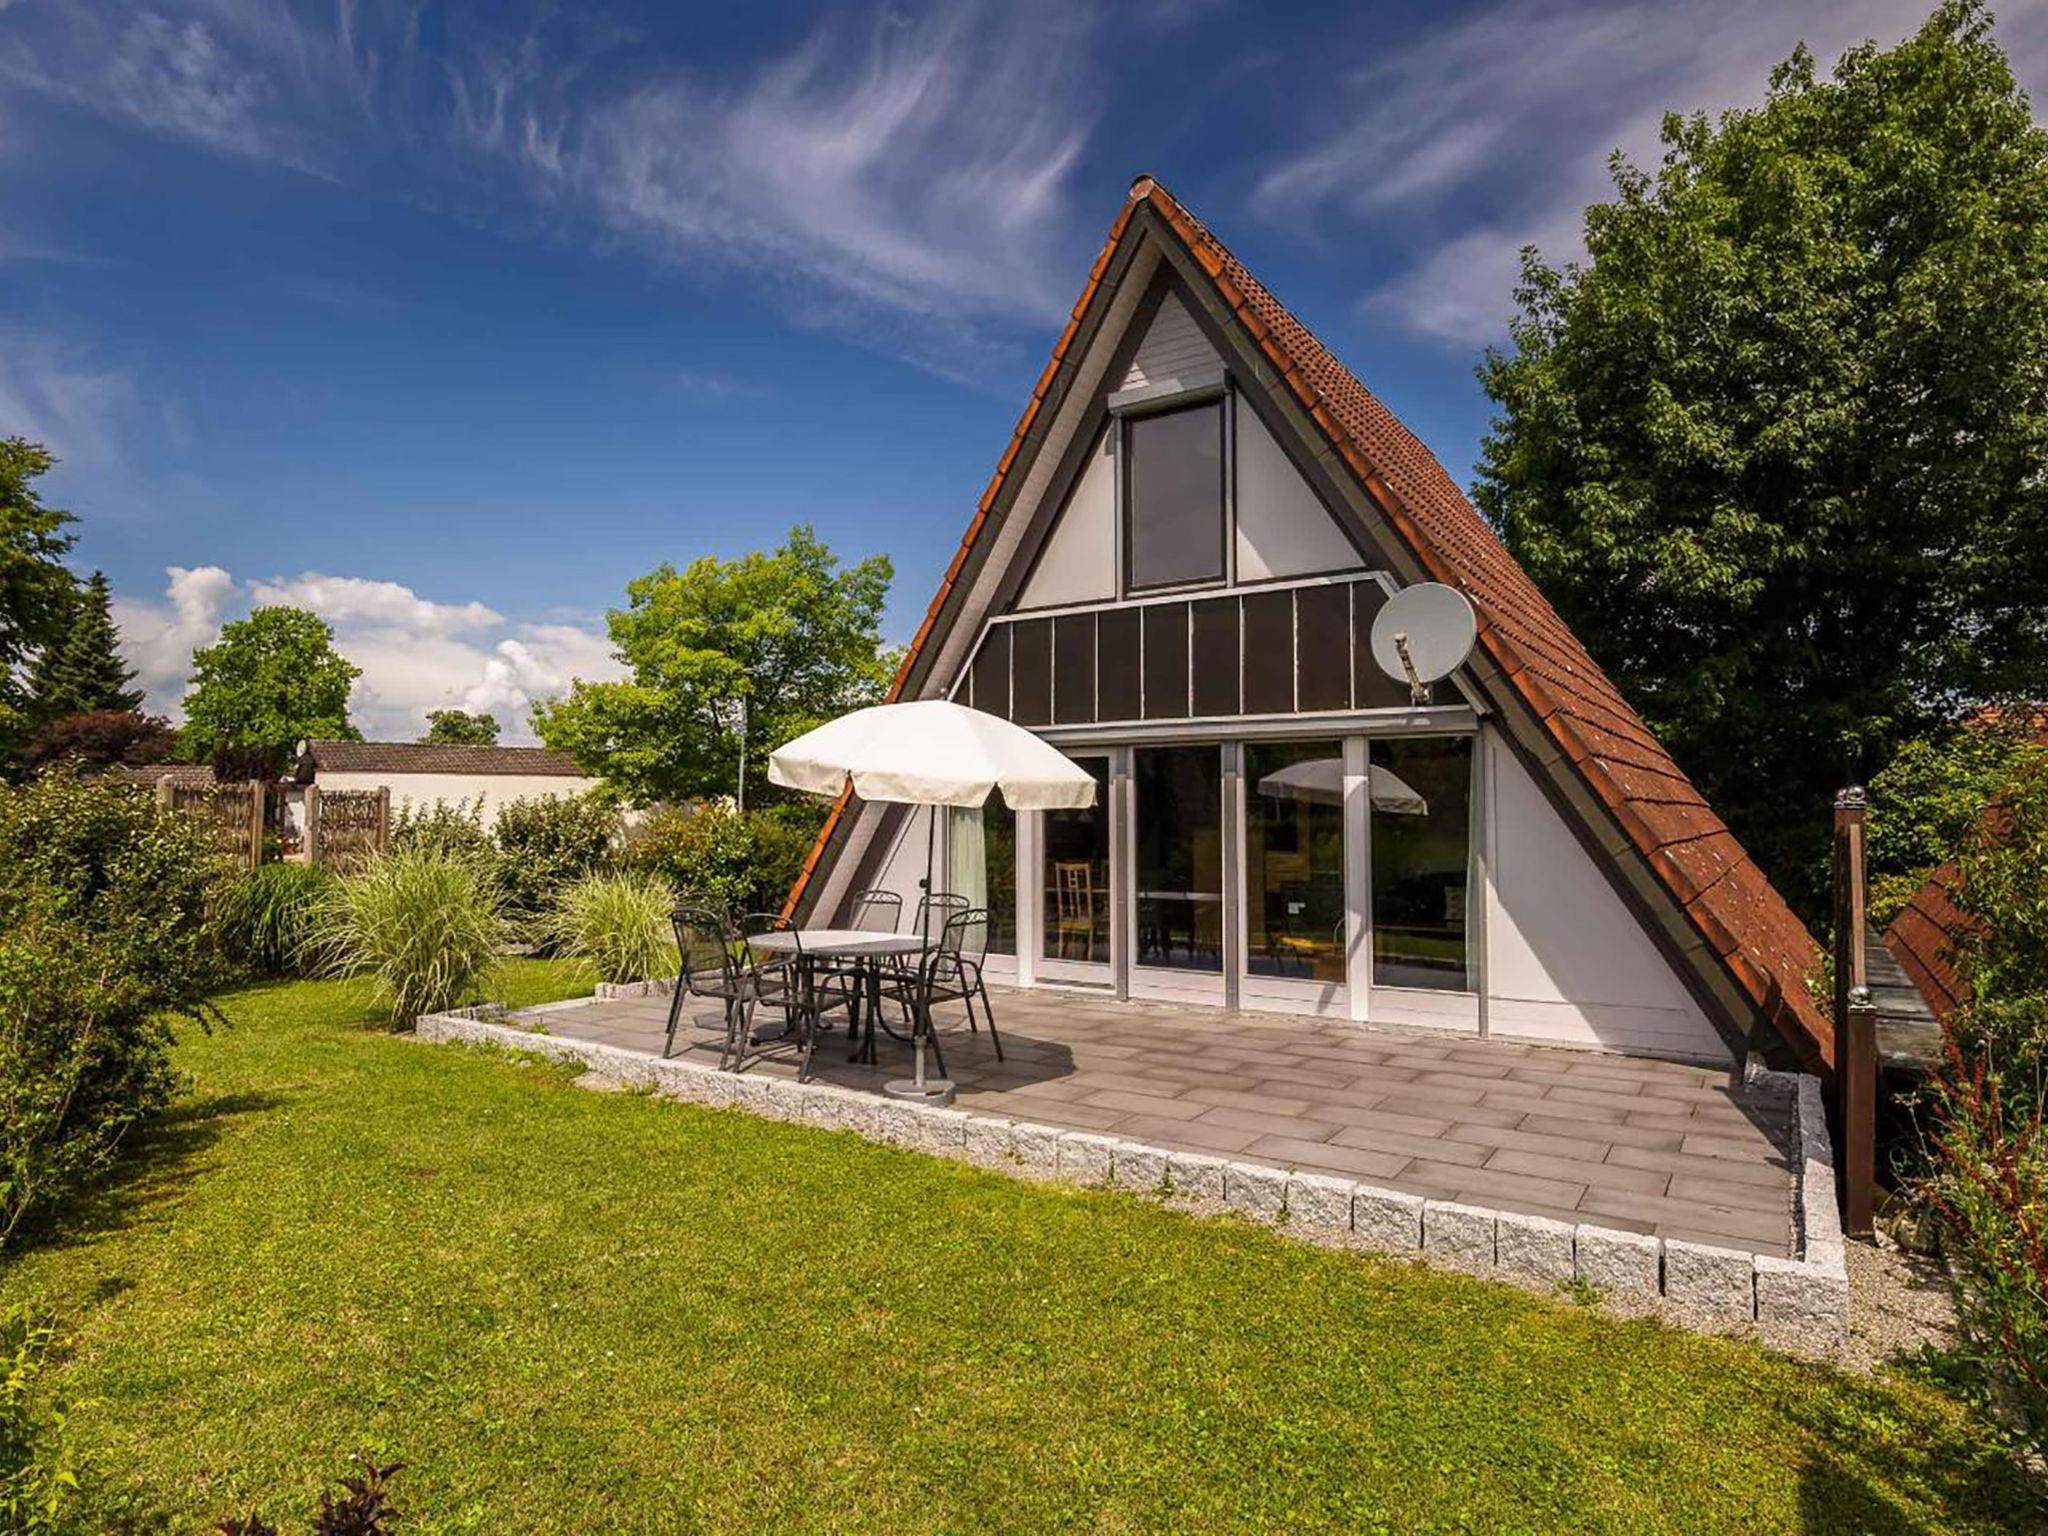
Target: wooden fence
346,826
234,812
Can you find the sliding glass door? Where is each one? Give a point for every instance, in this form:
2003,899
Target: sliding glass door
1177,873
1075,891
1294,910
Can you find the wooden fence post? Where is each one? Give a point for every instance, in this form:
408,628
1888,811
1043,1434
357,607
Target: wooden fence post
310,833
165,796
1856,1065
256,795
1856,1061
384,818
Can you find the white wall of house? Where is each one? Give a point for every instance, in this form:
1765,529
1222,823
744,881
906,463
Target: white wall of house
421,790
1173,346
1078,564
1565,959
1282,526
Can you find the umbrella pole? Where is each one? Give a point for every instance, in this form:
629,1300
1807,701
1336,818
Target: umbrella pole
919,1088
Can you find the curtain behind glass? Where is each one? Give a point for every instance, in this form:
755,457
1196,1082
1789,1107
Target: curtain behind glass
967,856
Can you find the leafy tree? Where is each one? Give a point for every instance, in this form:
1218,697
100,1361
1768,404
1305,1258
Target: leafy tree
34,585
101,738
82,671
1776,449
790,632
270,681
460,728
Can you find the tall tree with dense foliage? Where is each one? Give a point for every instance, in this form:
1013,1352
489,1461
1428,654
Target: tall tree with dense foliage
270,681
35,586
81,671
791,633
460,728
1778,449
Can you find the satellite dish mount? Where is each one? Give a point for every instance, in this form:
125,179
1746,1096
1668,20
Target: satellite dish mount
1422,635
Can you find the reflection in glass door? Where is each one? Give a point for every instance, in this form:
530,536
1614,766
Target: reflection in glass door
1177,873
1074,934
1294,863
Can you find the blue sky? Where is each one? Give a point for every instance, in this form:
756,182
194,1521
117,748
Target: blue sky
448,320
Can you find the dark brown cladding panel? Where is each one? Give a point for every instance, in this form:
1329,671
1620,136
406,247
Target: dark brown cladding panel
1269,653
1215,652
1118,656
1323,647
1166,661
1031,672
990,679
1374,689
1073,669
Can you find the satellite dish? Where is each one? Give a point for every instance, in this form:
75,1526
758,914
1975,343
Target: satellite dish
1423,634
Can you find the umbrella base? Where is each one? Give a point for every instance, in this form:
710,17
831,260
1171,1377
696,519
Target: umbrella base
933,1090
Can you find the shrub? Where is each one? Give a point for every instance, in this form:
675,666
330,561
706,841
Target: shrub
1989,1184
364,1508
425,927
267,918
547,844
100,738
729,860
446,827
107,932
36,1478
618,925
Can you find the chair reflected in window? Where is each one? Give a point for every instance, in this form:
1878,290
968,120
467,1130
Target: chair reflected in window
1073,914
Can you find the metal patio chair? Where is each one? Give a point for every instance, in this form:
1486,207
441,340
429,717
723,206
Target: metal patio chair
952,972
711,953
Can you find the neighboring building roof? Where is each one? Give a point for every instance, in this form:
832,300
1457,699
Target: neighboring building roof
423,757
1924,938
155,773
1725,897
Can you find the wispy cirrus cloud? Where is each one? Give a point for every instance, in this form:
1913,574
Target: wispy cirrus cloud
893,164
416,654
1494,132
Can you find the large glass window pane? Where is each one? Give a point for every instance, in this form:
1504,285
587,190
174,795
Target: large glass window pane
1294,859
1421,858
1077,876
984,867
1174,490
1179,794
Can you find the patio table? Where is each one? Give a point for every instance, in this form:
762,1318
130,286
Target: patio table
865,948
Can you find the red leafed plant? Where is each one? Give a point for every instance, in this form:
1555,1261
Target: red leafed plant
362,1508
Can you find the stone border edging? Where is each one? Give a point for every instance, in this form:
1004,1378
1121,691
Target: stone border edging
1797,1305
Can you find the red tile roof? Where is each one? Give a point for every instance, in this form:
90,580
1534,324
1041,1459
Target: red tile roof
424,757
1724,895
1924,938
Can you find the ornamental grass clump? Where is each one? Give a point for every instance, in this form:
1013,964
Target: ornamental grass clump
617,926
267,919
426,927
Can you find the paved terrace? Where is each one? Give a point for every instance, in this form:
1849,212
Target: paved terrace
1643,1146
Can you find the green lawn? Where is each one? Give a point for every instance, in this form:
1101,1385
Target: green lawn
579,1312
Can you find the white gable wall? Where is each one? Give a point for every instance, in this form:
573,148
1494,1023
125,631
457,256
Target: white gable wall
1565,959
1283,528
1078,564
422,791
1174,346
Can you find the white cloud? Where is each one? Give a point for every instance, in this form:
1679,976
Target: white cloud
63,397
416,654
899,161
1515,110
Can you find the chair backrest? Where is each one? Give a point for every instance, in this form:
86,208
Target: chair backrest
1073,892
935,908
704,940
966,935
876,911
754,924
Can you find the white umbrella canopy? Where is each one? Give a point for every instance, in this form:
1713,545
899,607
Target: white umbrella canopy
932,752
1321,780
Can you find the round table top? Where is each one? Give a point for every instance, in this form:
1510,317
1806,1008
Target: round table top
840,941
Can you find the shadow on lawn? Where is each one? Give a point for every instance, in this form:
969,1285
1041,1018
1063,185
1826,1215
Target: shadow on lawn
152,1173
1863,1462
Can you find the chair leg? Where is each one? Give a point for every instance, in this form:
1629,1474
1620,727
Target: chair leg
675,1012
980,988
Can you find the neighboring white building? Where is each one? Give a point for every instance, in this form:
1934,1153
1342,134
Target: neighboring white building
419,774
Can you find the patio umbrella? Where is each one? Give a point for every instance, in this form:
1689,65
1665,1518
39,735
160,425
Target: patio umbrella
1321,781
932,752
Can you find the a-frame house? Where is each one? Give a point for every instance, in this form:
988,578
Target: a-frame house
1171,576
